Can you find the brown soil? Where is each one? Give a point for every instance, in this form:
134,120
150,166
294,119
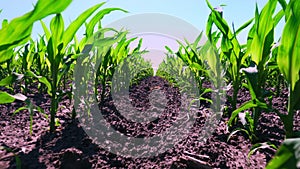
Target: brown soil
70,146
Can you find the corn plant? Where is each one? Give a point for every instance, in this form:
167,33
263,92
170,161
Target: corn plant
176,72
26,56
288,62
191,55
216,75
206,65
96,65
114,57
18,31
16,78
259,45
231,51
58,61
132,70
31,108
17,158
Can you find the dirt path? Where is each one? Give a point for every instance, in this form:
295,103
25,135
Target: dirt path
70,147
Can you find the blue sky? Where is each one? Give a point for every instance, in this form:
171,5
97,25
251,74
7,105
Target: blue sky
193,11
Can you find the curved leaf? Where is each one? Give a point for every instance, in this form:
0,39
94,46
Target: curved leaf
19,29
79,21
97,18
8,98
287,155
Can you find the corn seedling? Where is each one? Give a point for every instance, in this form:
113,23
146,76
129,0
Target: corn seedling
176,72
132,70
260,42
191,55
288,62
113,58
231,51
31,109
17,158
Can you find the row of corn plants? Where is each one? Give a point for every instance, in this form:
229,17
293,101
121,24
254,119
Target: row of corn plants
49,61
253,64
288,63
258,65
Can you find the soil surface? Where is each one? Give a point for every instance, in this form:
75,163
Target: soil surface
70,147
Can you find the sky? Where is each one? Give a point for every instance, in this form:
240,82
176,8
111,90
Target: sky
194,12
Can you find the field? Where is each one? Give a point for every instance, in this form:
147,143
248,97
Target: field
96,102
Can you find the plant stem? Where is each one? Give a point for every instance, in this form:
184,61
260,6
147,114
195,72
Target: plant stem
235,93
288,120
54,102
52,111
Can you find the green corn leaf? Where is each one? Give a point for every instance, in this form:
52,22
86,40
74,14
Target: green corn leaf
196,66
212,60
46,30
4,23
51,51
108,41
209,25
245,106
250,39
19,29
98,17
278,17
8,98
283,4
263,33
41,79
258,146
236,131
169,49
245,25
11,79
138,48
123,51
118,48
197,41
18,110
5,55
79,21
57,29
248,105
288,58
44,8
65,68
209,5
287,155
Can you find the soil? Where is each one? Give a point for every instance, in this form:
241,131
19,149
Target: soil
70,147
